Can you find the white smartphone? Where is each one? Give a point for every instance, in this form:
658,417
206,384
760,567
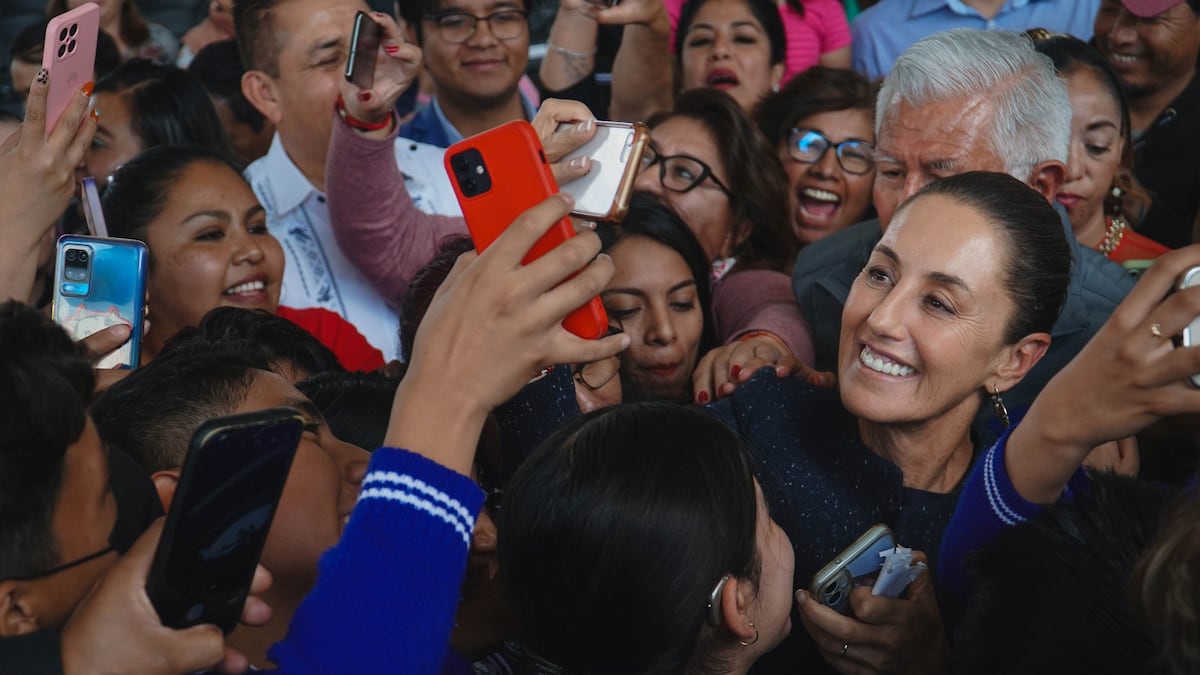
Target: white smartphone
616,153
856,566
1190,335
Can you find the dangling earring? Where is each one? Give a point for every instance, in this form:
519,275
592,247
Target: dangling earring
998,407
747,644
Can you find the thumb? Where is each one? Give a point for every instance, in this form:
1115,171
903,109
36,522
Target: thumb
197,648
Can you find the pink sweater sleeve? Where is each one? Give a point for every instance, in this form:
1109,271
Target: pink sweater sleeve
377,226
761,300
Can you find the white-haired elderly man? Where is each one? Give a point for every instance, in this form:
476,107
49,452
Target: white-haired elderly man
965,100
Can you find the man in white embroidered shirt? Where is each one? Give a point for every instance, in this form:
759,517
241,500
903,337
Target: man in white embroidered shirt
294,59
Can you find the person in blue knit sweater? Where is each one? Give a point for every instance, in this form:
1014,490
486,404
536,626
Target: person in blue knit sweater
386,594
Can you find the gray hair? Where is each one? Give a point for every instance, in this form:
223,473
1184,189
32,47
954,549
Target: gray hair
1032,120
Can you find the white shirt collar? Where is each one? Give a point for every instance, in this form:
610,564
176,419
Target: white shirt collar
288,185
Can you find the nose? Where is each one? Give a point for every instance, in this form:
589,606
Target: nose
720,47
1123,30
1074,165
886,320
351,461
647,181
249,248
660,330
826,166
482,35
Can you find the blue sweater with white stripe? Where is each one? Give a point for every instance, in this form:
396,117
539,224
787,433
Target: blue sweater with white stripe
386,595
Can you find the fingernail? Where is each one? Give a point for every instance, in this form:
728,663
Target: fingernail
585,126
391,49
43,76
733,372
801,597
589,224
122,330
579,163
95,114
703,397
364,96
88,88
566,197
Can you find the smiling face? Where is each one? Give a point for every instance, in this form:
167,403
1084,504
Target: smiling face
484,70
1148,53
923,326
1095,157
209,248
653,297
919,144
825,197
705,208
320,492
726,48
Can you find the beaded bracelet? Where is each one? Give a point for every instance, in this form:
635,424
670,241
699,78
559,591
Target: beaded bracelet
750,335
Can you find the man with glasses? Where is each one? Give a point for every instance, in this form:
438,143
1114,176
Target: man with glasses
476,52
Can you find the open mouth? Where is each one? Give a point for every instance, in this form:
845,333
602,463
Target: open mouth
1123,59
882,364
256,286
818,203
721,78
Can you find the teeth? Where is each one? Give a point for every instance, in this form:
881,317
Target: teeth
248,287
882,365
1124,58
820,195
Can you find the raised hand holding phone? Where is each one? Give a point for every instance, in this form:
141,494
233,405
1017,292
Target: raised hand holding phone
69,57
393,68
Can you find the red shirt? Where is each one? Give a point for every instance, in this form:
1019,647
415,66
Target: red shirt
351,348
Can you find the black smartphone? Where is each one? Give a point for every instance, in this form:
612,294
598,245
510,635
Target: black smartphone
228,491
360,67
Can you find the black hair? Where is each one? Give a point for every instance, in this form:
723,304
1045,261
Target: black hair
1055,586
357,406
219,68
758,190
283,343
1070,55
653,219
139,190
257,39
765,11
617,529
46,381
1165,589
1038,267
167,106
817,90
152,413
425,284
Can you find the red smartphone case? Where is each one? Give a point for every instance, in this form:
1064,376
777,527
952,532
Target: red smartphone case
520,179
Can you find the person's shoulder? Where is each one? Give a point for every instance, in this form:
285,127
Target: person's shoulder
880,14
765,397
853,244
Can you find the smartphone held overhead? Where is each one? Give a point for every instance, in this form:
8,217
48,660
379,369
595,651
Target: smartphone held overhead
364,48
69,57
498,175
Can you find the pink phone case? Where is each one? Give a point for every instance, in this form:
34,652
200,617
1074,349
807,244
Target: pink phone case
69,56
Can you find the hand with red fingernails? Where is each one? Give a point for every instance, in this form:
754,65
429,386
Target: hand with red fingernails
372,111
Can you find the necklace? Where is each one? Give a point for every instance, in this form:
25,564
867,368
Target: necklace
1113,234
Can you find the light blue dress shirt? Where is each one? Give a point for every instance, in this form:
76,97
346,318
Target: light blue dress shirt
881,33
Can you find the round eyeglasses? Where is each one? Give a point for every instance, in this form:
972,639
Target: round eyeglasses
809,146
680,173
457,27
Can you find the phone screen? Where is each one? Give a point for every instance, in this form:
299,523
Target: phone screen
228,492
360,67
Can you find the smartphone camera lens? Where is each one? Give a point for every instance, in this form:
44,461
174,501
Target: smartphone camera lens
62,35
71,47
72,255
83,256
471,172
62,51
74,29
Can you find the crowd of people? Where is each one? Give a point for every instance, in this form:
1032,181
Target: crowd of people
907,262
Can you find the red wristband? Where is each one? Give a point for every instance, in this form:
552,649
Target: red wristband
340,106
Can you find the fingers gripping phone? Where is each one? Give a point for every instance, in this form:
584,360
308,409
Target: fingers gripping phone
69,57
360,66
100,283
1190,335
228,490
497,176
616,153
855,566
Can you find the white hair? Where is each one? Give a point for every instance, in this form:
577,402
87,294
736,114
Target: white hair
1031,121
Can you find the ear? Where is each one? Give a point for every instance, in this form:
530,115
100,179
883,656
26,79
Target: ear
165,483
1020,359
777,72
1048,177
260,89
736,596
17,616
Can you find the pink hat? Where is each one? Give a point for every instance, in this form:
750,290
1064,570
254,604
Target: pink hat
1148,8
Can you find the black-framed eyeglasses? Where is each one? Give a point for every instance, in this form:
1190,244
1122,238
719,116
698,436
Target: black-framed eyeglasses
680,173
65,566
809,146
456,27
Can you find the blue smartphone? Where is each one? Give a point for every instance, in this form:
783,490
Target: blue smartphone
100,283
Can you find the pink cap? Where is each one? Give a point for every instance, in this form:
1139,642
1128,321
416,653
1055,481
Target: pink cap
1148,8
